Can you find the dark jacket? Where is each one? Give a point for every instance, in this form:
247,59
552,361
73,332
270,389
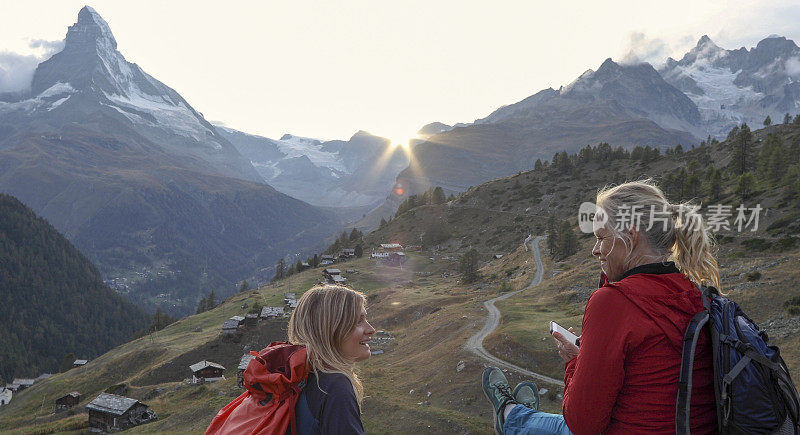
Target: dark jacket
328,408
625,378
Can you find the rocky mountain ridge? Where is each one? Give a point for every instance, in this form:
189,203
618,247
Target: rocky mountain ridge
337,173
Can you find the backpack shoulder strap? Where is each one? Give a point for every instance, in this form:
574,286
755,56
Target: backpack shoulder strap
687,365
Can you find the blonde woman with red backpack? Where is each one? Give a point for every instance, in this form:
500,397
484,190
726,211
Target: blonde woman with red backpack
307,385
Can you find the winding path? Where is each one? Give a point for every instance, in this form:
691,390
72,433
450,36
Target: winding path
475,343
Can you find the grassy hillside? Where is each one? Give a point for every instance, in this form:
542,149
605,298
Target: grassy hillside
425,381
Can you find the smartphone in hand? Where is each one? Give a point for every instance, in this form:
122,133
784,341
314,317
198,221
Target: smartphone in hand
572,338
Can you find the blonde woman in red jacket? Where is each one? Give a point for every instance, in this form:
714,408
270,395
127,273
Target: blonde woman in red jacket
624,376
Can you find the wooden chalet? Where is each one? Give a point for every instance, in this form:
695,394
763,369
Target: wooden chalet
206,371
243,362
79,362
67,401
232,325
379,255
391,247
22,383
395,259
338,279
329,273
271,312
109,412
250,320
304,265
327,257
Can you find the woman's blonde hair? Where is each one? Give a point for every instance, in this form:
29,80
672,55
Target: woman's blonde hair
324,317
674,231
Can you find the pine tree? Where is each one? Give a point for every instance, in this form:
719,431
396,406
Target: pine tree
383,223
538,165
202,306
359,251
745,185
773,161
787,118
715,184
693,185
468,265
792,181
212,301
354,235
438,196
733,133
568,241
280,270
315,260
244,287
796,120
742,158
767,121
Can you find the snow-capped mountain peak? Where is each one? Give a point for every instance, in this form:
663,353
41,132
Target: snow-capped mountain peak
734,86
90,75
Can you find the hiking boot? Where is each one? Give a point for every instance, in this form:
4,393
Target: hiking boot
497,390
526,393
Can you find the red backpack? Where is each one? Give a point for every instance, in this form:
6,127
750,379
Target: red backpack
274,380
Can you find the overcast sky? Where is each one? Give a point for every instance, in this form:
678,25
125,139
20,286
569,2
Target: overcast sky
328,69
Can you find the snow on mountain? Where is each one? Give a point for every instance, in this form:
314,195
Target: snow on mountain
90,76
295,146
336,173
48,100
734,86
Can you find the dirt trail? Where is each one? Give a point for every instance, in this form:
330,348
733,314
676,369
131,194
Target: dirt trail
475,343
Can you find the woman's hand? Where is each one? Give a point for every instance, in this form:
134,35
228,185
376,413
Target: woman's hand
566,349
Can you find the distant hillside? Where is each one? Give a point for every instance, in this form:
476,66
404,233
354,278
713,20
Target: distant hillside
53,301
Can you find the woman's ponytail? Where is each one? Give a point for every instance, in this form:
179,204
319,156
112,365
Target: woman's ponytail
693,250
681,235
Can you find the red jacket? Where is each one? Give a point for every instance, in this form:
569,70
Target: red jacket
625,378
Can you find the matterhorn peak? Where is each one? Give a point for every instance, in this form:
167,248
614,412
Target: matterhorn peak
90,29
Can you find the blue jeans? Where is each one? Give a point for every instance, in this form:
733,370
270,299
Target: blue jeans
525,421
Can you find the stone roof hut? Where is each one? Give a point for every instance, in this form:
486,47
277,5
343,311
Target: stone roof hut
111,412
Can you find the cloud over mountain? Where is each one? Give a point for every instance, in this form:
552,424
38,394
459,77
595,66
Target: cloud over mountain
16,69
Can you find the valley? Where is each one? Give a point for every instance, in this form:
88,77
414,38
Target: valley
426,380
